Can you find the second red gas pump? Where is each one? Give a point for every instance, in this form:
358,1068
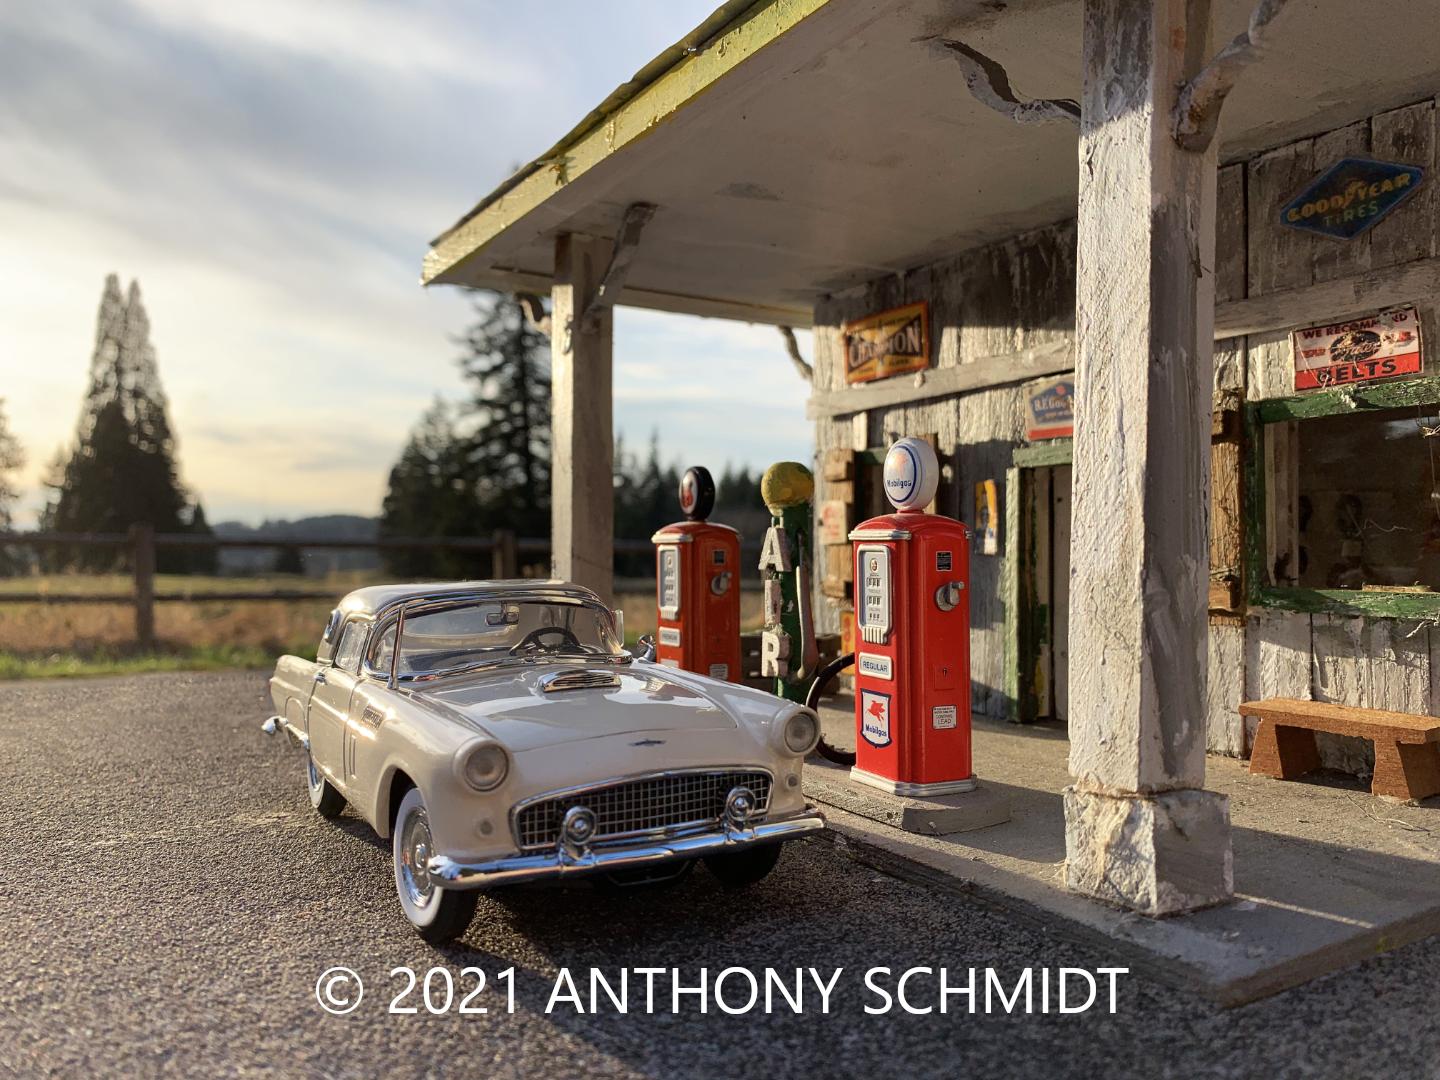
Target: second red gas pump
912,629
697,586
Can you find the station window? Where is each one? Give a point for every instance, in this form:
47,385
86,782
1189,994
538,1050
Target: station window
1347,500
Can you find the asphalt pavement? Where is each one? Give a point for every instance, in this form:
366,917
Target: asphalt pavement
168,901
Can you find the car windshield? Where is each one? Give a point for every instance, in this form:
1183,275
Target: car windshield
479,632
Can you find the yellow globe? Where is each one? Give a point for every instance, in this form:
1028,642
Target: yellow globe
786,483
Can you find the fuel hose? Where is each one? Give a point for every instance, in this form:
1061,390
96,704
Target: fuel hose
823,679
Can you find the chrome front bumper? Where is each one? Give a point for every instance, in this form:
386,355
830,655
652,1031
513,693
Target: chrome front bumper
515,869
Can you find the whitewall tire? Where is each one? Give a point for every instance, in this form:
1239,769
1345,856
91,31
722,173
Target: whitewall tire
438,915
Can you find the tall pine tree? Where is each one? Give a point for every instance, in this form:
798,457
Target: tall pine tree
507,362
431,493
122,469
484,465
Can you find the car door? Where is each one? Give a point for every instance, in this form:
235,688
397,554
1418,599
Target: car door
329,707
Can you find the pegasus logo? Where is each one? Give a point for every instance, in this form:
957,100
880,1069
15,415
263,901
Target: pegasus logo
649,742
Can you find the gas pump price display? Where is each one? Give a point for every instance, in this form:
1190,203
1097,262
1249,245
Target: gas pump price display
875,590
734,991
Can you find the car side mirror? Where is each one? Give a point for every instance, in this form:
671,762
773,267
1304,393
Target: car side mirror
646,647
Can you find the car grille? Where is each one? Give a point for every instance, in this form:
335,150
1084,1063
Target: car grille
639,806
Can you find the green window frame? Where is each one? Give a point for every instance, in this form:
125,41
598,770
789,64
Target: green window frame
1346,400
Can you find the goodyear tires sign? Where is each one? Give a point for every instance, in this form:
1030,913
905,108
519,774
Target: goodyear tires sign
890,343
1350,196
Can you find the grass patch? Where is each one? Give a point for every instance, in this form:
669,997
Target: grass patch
120,662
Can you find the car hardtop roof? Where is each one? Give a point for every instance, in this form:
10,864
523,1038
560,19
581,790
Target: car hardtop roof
377,599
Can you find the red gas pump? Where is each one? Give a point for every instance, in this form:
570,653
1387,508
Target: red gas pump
912,648
696,587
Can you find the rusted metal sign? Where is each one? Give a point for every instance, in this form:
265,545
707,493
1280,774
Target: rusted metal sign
1350,196
1383,346
890,343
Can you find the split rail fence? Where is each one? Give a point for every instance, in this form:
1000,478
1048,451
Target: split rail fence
141,542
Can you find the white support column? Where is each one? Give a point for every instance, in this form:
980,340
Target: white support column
582,490
1140,831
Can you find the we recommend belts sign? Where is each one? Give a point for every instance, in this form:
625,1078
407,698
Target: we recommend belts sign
1379,346
890,343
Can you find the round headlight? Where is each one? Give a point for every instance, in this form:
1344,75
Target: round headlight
802,732
483,766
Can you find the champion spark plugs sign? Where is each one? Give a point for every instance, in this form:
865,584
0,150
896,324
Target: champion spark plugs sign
1383,346
890,343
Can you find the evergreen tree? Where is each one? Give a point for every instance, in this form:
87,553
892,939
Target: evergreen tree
122,469
508,444
201,560
431,493
11,459
288,560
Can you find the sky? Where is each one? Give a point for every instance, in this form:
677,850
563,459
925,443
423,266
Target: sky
272,172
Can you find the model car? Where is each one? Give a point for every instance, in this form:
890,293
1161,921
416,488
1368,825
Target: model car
499,732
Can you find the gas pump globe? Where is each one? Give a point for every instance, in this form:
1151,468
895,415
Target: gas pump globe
912,622
697,588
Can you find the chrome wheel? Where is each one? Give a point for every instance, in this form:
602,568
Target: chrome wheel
313,775
323,797
415,859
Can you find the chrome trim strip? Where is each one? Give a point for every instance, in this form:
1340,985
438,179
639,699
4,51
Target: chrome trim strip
514,869
880,534
909,790
663,537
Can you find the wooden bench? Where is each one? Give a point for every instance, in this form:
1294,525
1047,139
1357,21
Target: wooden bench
1407,747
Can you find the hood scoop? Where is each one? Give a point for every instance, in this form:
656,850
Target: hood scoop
559,681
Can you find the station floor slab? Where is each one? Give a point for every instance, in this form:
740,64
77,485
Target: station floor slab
1326,874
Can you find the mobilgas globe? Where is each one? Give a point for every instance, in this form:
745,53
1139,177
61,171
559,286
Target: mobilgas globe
912,474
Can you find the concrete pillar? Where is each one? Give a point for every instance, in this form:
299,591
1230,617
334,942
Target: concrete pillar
1140,831
582,490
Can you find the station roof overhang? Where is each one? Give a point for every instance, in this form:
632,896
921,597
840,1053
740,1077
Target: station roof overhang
797,148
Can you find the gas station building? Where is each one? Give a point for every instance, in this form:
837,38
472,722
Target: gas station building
1157,279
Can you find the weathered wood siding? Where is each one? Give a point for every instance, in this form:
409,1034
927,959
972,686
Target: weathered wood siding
986,303
1374,663
1016,300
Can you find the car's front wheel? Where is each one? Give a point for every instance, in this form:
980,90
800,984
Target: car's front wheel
325,799
438,915
736,869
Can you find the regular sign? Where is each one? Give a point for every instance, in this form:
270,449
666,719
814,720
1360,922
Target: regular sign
1382,346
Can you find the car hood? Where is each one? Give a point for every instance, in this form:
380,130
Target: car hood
513,707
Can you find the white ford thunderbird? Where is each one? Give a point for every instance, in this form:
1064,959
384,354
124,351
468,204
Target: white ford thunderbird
510,737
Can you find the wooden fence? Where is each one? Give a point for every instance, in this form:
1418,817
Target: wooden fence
141,542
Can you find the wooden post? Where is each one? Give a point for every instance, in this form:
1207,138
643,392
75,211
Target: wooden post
582,489
502,555
1140,830
142,566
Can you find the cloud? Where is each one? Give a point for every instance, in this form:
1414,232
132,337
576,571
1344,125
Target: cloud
272,172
